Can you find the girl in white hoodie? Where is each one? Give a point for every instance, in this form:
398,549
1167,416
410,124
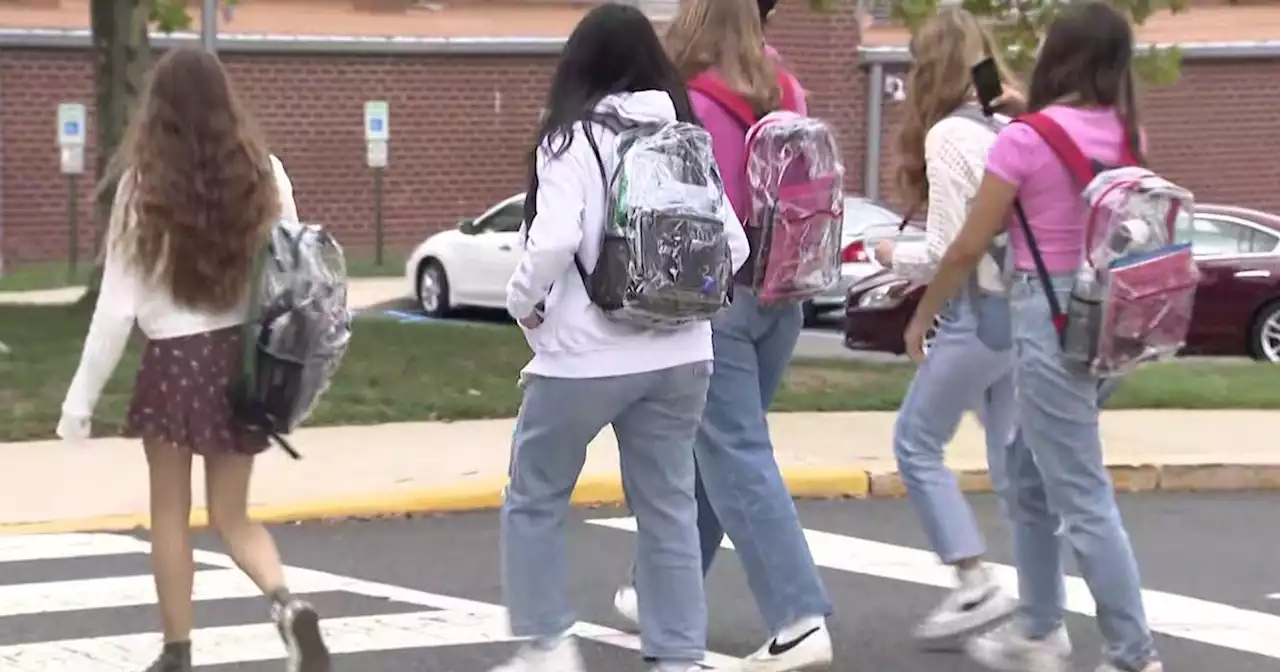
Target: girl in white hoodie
588,371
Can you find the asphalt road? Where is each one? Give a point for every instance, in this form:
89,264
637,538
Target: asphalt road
390,590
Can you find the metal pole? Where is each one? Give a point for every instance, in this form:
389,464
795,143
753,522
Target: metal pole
73,220
209,26
377,215
875,121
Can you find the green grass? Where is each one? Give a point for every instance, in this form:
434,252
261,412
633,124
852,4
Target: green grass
405,372
55,275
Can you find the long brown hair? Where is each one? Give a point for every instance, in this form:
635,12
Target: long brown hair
944,51
725,34
1087,59
199,182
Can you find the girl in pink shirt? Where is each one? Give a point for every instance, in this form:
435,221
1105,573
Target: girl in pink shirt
1056,476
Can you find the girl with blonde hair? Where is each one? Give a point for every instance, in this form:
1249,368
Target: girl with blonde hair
942,149
718,45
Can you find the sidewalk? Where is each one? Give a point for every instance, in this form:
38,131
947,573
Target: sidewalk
435,467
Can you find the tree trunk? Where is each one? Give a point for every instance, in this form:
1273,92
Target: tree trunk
121,60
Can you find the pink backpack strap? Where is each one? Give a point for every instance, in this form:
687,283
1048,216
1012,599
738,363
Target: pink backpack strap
712,86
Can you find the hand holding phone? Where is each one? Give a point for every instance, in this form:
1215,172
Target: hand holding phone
986,82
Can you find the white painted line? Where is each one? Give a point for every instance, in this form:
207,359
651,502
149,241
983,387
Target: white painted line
22,548
129,591
455,621
1274,596
1167,613
823,334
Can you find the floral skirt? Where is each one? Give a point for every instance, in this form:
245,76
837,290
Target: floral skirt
181,395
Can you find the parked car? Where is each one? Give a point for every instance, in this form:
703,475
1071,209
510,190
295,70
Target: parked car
1237,310
469,265
864,222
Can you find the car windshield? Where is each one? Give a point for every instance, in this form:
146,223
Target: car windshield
864,218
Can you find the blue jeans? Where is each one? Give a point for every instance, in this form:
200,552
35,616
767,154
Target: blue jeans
654,417
742,492
1056,473
969,367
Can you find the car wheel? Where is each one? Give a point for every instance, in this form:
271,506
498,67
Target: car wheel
810,314
433,289
1265,341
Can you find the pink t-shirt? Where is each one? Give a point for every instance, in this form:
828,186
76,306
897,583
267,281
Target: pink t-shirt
1049,196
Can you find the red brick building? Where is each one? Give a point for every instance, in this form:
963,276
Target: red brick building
465,78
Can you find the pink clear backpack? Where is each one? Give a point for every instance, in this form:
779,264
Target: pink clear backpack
795,177
1135,288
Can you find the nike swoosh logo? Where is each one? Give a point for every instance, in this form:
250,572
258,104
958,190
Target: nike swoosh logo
777,649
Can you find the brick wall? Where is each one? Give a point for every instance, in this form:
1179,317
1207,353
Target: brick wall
461,125
1213,132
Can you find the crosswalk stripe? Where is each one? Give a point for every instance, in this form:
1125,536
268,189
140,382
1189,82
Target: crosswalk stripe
24,548
452,621
1167,613
129,591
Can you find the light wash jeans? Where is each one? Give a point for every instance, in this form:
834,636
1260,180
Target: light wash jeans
1056,473
969,367
654,416
742,492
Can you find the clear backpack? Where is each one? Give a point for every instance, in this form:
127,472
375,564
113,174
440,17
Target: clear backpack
297,330
795,176
1135,288
664,256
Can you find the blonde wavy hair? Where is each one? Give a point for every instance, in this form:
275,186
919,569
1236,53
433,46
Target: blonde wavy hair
943,53
725,34
197,181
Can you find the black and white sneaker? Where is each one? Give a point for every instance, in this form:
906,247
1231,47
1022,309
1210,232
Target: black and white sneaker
978,604
172,661
299,627
803,645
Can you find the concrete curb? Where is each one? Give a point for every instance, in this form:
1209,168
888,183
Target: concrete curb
603,491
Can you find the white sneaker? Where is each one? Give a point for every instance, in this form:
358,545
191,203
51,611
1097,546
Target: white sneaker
563,657
627,604
1006,648
804,645
1152,666
978,603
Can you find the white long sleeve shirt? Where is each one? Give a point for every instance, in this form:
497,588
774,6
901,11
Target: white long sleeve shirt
576,339
955,156
127,296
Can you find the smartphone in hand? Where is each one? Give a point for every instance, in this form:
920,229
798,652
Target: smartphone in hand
986,82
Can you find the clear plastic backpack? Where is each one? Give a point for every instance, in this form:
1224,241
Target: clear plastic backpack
1134,290
664,258
796,178
297,330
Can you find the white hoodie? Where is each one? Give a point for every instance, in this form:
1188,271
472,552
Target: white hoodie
576,340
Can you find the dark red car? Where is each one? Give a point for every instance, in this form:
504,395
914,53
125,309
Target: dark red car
1237,303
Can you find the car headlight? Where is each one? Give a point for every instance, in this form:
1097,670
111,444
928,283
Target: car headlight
885,296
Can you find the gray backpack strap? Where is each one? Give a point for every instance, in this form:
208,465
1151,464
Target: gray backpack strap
997,251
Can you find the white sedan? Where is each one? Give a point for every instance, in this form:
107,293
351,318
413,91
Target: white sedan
470,264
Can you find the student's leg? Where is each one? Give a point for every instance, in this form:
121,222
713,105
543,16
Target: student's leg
169,469
655,440
250,545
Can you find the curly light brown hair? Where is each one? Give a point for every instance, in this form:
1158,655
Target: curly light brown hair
199,184
943,53
725,34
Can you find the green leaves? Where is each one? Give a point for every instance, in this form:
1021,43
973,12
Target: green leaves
171,15
1020,24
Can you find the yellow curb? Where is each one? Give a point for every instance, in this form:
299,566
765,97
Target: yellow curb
595,490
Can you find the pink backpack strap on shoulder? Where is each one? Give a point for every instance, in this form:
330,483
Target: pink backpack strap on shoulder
715,88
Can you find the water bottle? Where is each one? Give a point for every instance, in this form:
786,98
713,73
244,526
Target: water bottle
1084,319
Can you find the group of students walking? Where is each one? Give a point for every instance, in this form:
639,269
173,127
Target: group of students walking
688,405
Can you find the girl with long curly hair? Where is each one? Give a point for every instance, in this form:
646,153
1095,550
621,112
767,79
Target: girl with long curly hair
197,192
942,150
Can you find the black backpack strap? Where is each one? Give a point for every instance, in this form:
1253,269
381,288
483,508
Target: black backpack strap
1059,317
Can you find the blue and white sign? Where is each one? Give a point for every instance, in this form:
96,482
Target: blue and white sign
71,128
377,123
